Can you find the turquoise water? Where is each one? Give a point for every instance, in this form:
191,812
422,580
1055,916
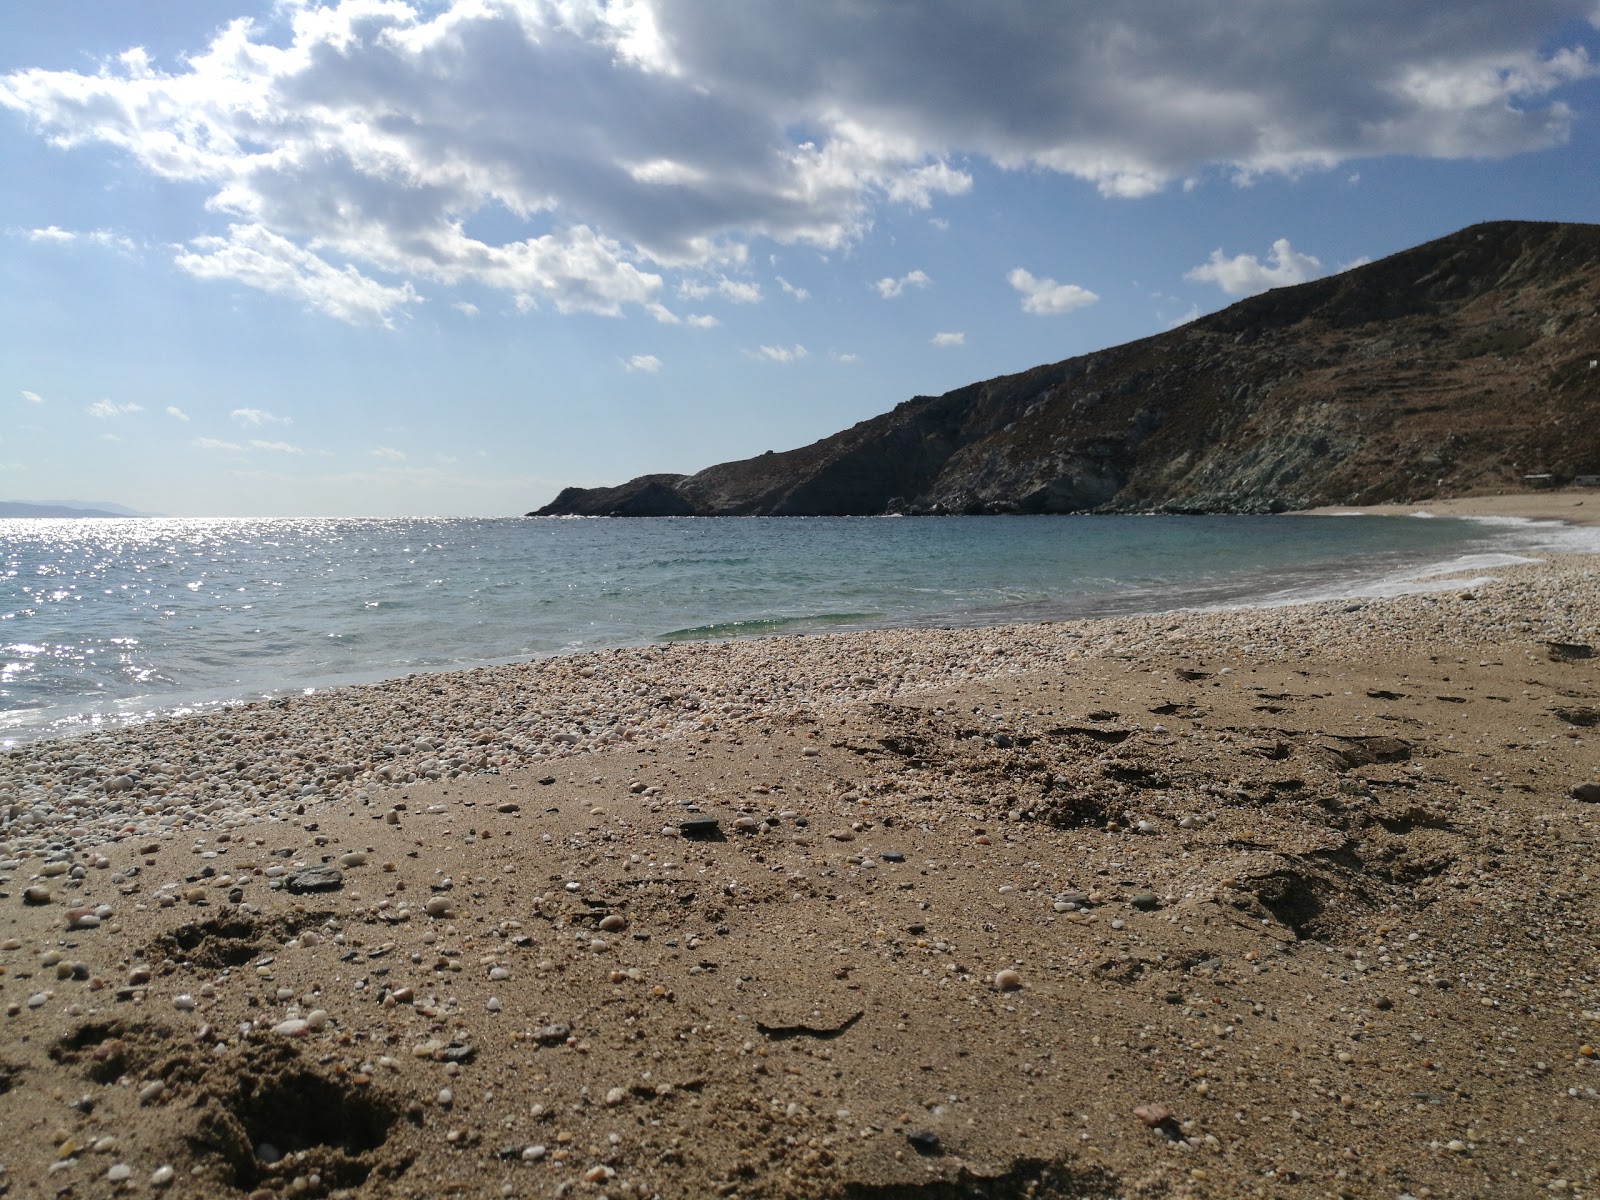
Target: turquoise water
108,621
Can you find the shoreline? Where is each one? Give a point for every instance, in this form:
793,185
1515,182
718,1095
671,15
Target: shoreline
1565,507
1291,896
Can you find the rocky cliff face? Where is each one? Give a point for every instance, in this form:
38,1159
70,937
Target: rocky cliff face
1456,367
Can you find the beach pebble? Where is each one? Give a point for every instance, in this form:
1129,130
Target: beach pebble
1153,1114
1008,980
314,879
354,858
37,894
162,1176
119,1173
1589,793
1145,901
703,828
614,923
293,1027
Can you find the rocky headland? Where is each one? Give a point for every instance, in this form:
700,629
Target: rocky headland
1459,367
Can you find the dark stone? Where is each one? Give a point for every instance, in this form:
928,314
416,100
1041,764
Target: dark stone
314,879
1145,901
1587,792
705,829
925,1142
892,856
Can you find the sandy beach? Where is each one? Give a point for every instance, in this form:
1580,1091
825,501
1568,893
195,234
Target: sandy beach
1263,902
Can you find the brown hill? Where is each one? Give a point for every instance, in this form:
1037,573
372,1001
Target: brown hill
1457,367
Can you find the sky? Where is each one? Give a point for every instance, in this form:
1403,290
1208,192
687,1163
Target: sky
446,257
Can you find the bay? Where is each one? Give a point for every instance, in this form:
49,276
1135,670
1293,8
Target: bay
105,622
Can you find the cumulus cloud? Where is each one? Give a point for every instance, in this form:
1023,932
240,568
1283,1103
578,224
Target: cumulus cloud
104,409
889,288
1045,296
465,308
353,142
254,255
31,397
255,418
389,454
648,363
948,339
1245,274
780,354
275,447
176,413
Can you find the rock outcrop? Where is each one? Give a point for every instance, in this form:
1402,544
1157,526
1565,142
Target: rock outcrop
1460,366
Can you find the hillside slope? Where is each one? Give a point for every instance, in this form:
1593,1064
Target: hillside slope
1456,367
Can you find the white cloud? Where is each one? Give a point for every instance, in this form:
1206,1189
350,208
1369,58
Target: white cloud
465,309
733,290
1245,274
780,354
255,418
31,397
255,256
211,443
1045,296
275,447
104,409
799,293
104,238
948,339
177,413
389,454
648,363
702,321
109,437
844,358
353,142
890,288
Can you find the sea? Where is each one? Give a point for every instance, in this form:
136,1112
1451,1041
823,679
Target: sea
105,623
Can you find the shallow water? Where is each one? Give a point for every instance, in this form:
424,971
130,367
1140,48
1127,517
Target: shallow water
108,621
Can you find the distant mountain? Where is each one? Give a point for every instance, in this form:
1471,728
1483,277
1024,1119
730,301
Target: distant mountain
15,508
1457,367
119,510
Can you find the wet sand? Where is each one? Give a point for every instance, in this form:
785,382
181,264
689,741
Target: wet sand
1288,902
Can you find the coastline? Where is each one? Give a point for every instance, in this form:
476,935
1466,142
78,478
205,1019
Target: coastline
1574,506
1305,886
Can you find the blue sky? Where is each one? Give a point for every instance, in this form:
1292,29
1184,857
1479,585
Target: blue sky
378,258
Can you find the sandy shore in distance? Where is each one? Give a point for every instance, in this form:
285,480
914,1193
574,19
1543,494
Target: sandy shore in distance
1291,902
1576,506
